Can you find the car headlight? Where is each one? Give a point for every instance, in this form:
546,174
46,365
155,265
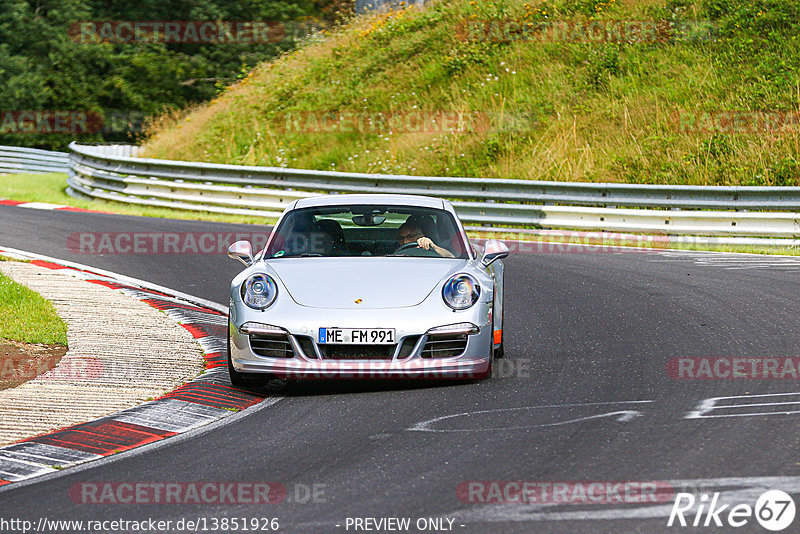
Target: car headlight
259,291
461,292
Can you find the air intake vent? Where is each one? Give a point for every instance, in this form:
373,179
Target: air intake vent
271,345
444,346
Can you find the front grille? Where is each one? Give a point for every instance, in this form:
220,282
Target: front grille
444,346
357,352
271,345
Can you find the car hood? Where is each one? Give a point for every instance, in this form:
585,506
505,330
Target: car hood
362,282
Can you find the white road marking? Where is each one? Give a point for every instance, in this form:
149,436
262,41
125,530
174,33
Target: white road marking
621,416
712,404
731,261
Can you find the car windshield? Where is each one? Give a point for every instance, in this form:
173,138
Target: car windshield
367,230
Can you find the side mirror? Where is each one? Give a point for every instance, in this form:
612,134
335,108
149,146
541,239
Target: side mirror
493,250
242,251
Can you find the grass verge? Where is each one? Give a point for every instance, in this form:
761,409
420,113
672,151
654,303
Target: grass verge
51,188
28,317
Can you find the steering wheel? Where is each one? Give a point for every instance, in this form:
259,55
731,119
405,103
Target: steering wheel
413,249
413,244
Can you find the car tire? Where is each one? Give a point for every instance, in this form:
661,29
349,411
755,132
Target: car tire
244,380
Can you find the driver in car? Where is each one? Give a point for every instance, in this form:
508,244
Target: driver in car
410,232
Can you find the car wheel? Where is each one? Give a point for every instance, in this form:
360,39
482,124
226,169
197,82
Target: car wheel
244,380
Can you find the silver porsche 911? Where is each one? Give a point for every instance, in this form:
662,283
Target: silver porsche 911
366,286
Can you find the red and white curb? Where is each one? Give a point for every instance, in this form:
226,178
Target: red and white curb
44,206
207,399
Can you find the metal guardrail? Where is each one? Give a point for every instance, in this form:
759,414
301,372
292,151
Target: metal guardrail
112,173
15,159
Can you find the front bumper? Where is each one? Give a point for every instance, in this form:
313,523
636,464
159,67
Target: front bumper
307,360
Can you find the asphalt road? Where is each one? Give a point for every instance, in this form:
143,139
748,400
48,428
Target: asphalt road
583,395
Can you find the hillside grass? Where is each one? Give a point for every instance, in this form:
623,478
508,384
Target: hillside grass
549,109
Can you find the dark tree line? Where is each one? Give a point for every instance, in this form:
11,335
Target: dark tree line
56,86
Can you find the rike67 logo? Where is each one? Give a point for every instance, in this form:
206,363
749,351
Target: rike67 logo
774,510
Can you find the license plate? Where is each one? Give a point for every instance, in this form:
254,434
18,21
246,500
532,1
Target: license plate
356,336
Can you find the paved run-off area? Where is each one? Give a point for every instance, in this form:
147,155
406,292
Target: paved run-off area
121,353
